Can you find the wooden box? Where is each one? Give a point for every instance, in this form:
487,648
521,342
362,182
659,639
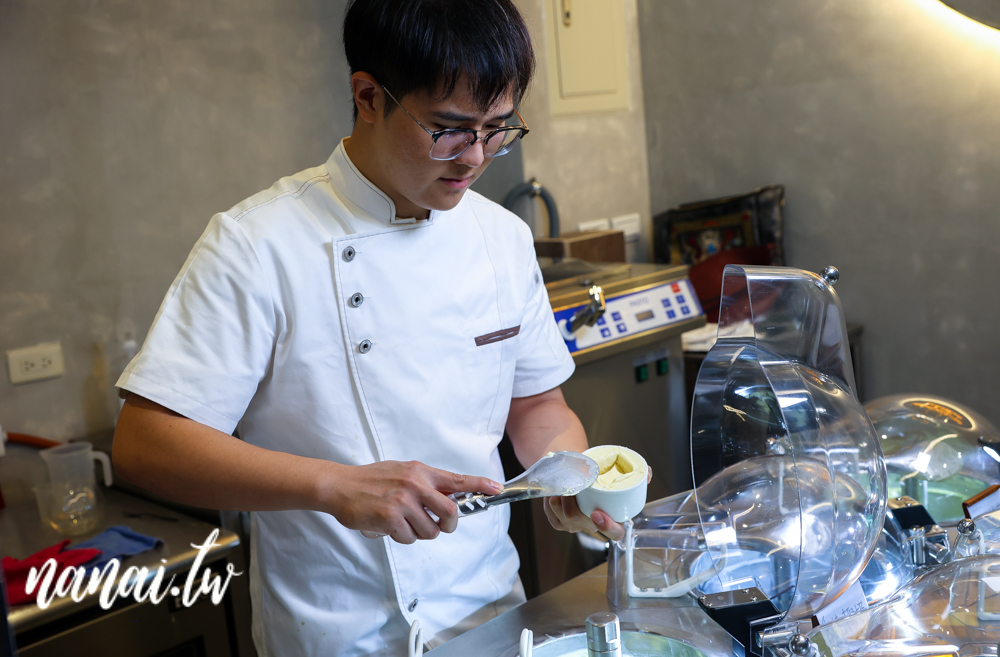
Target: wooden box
590,245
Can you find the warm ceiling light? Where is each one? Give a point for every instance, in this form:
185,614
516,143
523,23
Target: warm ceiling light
984,11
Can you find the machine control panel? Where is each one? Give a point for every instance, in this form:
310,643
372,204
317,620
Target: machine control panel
632,313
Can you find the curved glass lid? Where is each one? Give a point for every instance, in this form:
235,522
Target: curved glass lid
891,565
951,609
936,451
787,468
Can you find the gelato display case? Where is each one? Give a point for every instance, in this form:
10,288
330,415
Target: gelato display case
949,609
796,539
953,609
937,452
790,486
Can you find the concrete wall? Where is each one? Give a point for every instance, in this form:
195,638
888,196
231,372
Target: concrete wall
126,126
883,121
595,164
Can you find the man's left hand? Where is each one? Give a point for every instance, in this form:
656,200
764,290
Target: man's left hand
544,423
564,514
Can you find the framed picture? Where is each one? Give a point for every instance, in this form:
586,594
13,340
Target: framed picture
695,240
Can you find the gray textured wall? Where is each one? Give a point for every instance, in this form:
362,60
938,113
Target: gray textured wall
125,126
883,121
594,164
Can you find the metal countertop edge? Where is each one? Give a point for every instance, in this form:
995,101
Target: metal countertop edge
30,616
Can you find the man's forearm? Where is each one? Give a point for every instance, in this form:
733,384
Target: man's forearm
541,424
191,463
188,462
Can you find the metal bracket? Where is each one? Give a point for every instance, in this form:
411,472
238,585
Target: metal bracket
929,542
744,613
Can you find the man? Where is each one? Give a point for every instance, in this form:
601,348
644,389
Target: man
368,328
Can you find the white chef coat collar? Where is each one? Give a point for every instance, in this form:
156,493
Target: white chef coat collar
361,191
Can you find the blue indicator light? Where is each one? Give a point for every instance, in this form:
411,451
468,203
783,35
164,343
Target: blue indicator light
671,314
616,316
666,303
605,333
621,328
685,310
680,298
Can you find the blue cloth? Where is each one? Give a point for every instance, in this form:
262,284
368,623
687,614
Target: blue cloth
117,542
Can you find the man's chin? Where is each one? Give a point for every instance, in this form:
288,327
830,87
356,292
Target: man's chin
448,200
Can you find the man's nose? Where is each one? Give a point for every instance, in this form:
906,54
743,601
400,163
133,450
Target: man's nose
473,155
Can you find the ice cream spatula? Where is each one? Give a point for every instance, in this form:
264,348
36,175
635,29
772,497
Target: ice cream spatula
556,473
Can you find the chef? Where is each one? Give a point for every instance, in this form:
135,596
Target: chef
343,350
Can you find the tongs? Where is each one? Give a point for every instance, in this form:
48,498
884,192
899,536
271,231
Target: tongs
556,473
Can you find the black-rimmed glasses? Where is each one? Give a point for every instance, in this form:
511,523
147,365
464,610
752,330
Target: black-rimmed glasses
452,142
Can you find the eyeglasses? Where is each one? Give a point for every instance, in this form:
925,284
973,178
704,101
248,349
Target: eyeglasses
452,142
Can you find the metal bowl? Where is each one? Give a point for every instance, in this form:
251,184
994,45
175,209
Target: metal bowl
634,644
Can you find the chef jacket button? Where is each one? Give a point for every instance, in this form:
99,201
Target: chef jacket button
365,346
413,604
349,253
357,299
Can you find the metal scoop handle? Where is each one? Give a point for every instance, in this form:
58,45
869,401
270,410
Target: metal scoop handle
473,503
547,477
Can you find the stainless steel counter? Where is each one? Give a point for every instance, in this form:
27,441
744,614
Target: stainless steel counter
568,605
130,628
22,534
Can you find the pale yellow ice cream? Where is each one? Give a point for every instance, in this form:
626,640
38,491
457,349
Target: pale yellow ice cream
619,468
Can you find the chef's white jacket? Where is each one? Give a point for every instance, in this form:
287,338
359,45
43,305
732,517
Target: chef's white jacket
312,321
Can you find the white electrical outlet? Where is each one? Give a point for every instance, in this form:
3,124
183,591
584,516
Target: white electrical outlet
42,361
596,224
630,225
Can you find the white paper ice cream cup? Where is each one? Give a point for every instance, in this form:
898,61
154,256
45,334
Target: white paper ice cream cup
621,504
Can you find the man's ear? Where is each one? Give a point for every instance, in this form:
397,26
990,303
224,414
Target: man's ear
368,96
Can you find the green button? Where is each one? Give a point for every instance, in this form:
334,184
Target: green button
641,373
662,366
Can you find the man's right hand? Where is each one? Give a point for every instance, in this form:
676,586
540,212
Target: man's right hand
396,499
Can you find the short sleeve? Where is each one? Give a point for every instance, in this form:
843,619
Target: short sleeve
212,340
543,360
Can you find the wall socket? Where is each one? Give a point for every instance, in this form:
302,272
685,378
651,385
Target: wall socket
630,224
596,224
42,361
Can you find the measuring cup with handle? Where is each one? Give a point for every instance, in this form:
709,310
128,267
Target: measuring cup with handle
74,462
71,502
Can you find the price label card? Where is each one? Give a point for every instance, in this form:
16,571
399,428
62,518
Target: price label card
848,603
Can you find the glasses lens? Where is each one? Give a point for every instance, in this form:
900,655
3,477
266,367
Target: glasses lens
502,142
450,144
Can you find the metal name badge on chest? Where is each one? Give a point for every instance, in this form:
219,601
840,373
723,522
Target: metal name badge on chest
497,336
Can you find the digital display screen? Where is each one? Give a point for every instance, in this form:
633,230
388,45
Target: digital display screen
643,316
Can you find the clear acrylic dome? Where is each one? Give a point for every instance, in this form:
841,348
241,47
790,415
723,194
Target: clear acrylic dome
891,565
953,609
936,451
788,472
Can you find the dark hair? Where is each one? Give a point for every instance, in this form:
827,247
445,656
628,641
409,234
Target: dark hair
427,45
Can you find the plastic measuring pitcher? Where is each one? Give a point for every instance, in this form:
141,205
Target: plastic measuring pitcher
71,502
74,462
